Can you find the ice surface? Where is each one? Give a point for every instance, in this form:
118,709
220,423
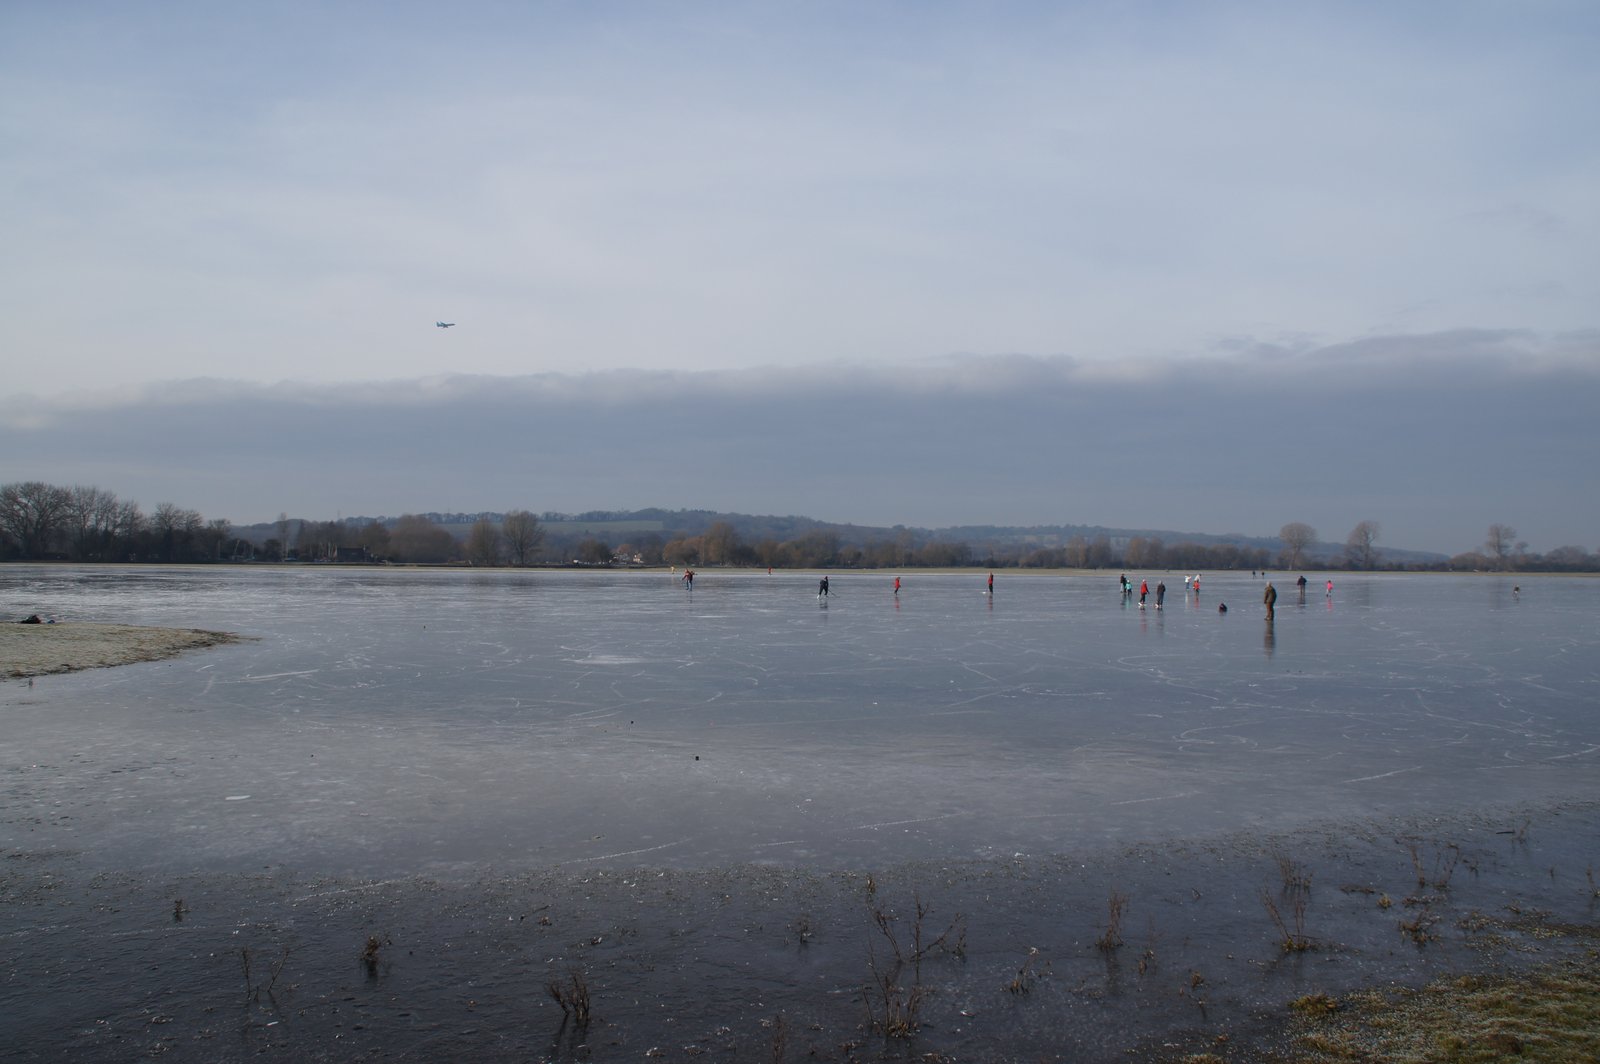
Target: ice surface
391,721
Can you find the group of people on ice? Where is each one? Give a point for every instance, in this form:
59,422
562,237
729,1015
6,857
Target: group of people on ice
1161,589
1190,583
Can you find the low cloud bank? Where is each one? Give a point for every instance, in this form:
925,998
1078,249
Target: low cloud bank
1434,436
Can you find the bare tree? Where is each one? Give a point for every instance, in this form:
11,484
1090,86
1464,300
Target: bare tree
375,539
1502,540
131,524
175,529
1099,554
1077,553
416,539
682,550
217,534
32,514
1359,547
319,540
91,522
651,546
522,535
1574,559
483,543
1134,555
1296,536
1145,553
719,544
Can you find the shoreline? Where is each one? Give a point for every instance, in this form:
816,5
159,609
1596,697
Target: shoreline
29,650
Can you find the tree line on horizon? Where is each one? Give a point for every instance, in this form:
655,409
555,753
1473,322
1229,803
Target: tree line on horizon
40,521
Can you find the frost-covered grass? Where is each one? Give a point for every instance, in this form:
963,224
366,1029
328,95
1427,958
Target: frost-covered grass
1549,1014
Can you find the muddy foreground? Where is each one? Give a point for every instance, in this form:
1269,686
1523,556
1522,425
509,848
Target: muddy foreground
1243,949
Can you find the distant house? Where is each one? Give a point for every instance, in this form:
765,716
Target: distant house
351,556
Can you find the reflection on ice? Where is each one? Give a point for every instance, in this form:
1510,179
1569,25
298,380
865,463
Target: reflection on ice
396,720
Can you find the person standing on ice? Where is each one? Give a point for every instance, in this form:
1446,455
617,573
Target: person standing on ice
991,583
1270,598
1144,589
1161,593
822,588
897,585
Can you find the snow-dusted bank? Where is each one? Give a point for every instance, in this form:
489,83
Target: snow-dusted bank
39,649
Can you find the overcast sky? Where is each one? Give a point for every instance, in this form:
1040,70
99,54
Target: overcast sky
751,256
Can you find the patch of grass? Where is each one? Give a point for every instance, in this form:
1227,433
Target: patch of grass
1022,982
372,952
1291,939
1550,1014
1436,873
1295,876
1420,927
1194,990
572,996
895,996
1314,1005
1116,906
254,989
1530,923
780,1037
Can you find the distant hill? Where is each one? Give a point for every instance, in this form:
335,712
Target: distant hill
1036,536
621,526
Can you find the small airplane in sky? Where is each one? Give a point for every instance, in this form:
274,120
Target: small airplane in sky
445,324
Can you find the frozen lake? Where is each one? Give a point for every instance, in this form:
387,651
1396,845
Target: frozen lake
391,721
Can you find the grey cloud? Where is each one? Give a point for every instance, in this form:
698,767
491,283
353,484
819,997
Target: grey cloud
1434,436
